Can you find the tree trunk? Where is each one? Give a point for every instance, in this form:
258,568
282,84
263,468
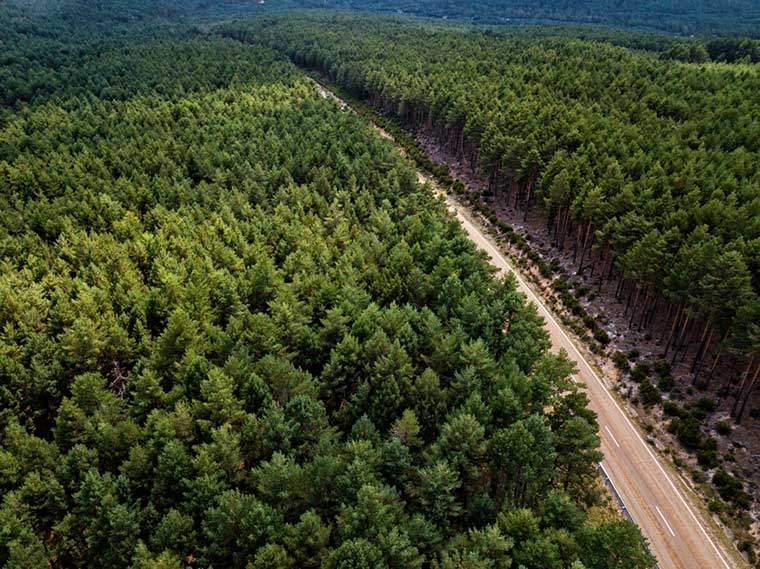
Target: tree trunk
698,369
679,311
748,395
702,344
527,200
680,339
635,303
715,364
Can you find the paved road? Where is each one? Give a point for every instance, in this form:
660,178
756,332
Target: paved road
658,503
678,537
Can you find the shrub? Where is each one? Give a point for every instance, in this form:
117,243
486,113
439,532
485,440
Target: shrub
621,361
640,372
665,383
730,488
698,476
746,546
601,336
662,367
723,428
708,458
686,429
706,404
648,393
633,355
672,409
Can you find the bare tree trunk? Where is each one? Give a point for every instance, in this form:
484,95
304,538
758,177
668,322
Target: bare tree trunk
635,303
702,342
702,359
667,319
680,339
715,363
644,309
527,200
747,395
619,289
583,249
679,312
628,302
745,376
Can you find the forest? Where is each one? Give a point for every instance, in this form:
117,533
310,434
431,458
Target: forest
236,332
678,17
647,169
642,165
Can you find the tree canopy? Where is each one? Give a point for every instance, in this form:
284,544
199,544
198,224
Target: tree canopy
236,332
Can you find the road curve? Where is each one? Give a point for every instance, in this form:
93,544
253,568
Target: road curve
677,536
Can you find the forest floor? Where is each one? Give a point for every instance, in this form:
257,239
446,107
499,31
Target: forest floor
743,442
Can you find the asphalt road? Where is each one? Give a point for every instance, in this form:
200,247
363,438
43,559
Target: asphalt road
657,501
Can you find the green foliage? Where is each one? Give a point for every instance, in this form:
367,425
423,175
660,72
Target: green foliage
661,173
683,17
687,430
723,428
648,393
237,332
640,372
730,488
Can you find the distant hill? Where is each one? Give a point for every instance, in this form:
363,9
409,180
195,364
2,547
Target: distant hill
684,17
676,16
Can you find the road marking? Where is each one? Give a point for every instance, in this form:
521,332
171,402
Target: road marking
614,440
549,316
670,529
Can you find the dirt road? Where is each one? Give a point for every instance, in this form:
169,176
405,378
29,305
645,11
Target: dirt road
657,501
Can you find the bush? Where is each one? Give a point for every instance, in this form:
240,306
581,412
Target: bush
747,547
621,361
708,458
633,355
648,393
665,383
723,428
730,488
640,372
662,367
672,409
698,476
601,336
706,404
687,431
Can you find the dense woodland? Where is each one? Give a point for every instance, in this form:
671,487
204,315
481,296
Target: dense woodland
646,169
679,16
235,332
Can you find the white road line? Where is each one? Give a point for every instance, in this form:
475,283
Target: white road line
614,440
670,529
549,316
